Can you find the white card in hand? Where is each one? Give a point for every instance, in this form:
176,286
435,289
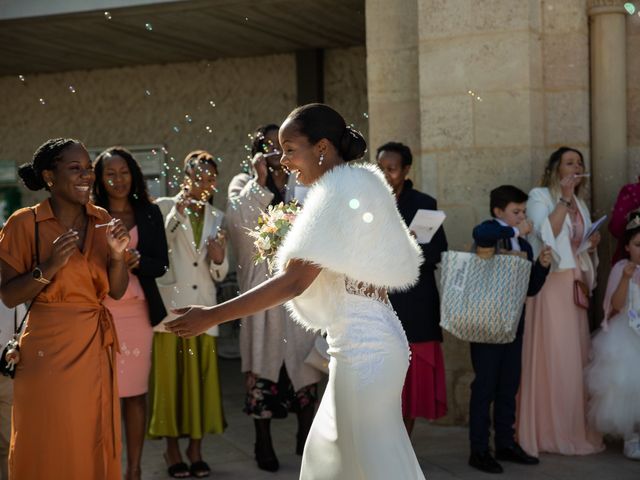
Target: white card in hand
425,224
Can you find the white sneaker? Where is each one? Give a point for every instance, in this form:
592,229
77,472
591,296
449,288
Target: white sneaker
632,447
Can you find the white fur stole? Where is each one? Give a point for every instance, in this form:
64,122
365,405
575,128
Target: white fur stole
350,226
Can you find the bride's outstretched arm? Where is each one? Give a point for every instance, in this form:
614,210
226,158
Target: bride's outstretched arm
195,320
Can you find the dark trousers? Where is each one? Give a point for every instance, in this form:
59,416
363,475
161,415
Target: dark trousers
497,378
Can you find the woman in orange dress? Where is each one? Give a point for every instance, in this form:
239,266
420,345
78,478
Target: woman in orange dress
66,417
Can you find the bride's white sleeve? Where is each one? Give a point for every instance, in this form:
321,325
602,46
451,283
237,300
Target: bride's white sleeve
350,225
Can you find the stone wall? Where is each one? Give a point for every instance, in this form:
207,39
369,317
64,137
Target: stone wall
148,105
501,85
345,85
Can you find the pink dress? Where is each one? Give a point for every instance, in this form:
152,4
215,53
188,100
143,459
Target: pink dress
131,318
552,407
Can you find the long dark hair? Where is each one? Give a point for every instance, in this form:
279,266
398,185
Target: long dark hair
138,194
257,144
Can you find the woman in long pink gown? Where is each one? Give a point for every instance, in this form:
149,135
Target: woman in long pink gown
553,401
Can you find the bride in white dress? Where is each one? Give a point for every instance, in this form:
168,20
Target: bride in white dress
345,249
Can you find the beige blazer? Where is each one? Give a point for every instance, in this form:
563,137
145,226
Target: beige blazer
191,277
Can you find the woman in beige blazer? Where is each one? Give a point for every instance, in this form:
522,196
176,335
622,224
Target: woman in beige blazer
185,388
272,346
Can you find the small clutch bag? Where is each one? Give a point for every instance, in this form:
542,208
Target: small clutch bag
581,294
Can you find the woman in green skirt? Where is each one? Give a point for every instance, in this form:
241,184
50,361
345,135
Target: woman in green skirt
185,388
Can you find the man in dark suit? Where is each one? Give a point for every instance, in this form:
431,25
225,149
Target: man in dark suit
424,393
497,366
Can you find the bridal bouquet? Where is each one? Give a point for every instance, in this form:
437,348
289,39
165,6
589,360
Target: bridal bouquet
272,227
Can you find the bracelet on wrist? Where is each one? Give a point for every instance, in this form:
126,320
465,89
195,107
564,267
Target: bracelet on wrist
566,203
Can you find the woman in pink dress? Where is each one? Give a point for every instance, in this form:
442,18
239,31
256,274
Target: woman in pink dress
552,414
120,188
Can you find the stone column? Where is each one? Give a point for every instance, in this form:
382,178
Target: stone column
392,75
608,114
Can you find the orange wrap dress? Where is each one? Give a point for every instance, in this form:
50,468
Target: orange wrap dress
66,417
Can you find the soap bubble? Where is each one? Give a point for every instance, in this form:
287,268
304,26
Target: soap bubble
21,78
188,118
212,103
147,93
42,101
107,15
148,26
367,217
72,89
354,203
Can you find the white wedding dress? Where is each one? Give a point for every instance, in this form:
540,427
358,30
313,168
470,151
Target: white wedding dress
358,432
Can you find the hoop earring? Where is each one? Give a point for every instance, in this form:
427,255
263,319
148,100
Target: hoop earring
321,159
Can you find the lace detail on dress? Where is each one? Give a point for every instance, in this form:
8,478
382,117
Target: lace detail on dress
363,289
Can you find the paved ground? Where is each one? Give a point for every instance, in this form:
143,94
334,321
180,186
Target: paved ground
442,451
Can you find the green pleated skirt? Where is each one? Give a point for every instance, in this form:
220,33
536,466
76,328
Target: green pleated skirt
184,387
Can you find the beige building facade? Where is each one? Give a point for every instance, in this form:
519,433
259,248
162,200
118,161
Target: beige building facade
482,91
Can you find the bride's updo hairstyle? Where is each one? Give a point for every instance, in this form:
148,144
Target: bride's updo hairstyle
44,158
317,121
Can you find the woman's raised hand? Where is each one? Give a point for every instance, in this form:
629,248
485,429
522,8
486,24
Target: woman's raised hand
117,237
259,163
63,248
568,186
629,269
215,248
192,321
132,257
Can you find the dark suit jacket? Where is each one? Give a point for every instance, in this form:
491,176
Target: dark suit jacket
419,307
154,257
491,234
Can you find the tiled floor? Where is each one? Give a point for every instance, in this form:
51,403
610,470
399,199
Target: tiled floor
442,451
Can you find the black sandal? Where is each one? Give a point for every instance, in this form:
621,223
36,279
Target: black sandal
177,470
200,469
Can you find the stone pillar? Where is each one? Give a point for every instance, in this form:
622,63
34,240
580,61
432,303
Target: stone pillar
392,75
608,114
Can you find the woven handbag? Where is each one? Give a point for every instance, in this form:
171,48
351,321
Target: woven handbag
483,297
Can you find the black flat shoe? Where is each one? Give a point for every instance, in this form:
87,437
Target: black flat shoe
200,469
516,454
484,462
266,459
177,470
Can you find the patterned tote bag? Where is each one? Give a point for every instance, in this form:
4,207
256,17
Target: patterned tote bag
482,298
